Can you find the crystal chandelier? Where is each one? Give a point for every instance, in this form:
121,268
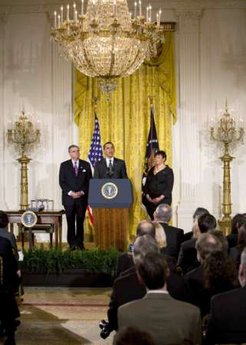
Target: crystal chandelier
107,41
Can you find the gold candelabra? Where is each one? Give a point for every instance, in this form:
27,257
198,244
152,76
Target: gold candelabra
23,135
227,133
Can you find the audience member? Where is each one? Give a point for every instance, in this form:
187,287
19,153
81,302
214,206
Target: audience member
198,212
160,237
227,319
235,252
133,336
4,221
125,260
215,274
174,236
238,220
187,259
167,320
127,287
9,282
220,236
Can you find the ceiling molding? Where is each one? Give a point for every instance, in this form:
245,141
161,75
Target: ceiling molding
29,6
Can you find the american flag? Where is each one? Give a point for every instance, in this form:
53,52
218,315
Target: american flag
95,154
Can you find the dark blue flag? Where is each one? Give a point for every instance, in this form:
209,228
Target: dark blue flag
152,143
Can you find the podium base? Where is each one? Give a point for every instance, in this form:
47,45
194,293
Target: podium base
111,227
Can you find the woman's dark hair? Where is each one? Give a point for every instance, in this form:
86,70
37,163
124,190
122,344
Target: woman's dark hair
241,240
4,221
238,220
220,272
161,153
206,222
199,212
222,239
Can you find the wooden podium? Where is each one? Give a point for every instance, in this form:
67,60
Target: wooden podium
111,200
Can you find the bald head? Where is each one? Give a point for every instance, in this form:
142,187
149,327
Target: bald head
145,227
207,244
142,246
163,213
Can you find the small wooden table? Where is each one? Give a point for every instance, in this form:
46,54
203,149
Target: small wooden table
53,217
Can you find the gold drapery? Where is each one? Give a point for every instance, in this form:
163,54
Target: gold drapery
125,119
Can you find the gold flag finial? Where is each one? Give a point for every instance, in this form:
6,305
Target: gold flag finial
226,106
95,103
151,100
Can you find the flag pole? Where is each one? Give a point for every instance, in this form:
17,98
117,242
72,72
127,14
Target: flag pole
95,101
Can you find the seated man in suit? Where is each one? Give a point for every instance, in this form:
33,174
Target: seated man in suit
127,288
110,166
215,274
174,236
227,320
167,320
187,259
125,260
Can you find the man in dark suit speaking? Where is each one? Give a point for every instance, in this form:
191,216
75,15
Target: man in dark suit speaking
110,166
74,179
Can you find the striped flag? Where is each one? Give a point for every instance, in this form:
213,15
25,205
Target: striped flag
95,154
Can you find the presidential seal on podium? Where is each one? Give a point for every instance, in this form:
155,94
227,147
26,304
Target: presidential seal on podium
109,190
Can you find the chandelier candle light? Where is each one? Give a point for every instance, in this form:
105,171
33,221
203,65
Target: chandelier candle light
226,132
105,41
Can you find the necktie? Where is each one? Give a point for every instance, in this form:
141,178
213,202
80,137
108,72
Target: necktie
76,168
110,166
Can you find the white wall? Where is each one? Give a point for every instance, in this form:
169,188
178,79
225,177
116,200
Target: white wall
211,66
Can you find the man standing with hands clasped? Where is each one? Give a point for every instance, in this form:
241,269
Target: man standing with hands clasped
110,166
74,180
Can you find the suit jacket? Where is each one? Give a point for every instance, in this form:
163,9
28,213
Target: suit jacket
198,294
127,288
119,169
160,183
232,240
125,261
9,264
227,322
9,281
187,258
11,237
174,237
167,320
70,182
235,254
188,235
